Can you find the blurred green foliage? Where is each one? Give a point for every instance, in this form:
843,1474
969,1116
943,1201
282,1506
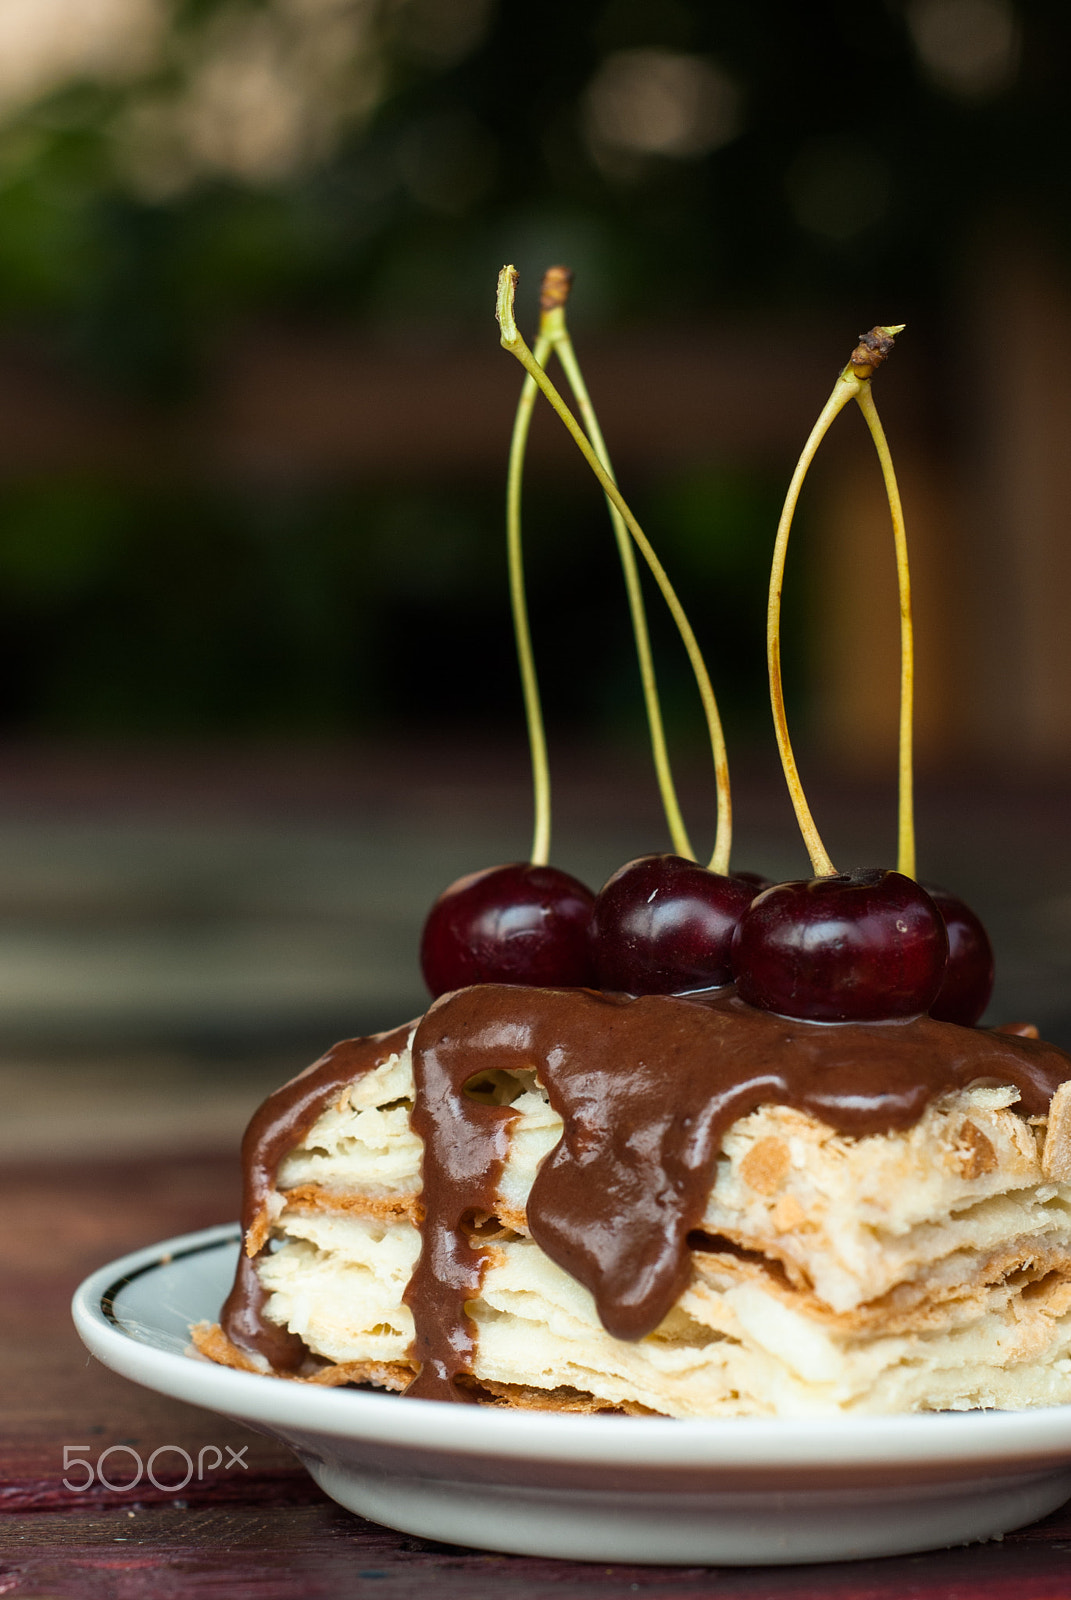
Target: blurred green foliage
132,214
135,613
392,154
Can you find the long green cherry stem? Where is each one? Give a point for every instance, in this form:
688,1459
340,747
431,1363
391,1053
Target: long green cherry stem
514,343
553,327
852,384
905,859
845,390
533,710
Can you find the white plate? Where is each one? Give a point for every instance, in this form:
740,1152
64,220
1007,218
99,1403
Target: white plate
601,1488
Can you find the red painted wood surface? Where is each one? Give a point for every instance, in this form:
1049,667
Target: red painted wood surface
268,1533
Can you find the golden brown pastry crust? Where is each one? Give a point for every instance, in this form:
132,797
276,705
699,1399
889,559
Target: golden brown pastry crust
210,1341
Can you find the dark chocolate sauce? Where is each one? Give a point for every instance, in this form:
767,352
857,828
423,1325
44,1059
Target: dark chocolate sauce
277,1126
465,1149
646,1089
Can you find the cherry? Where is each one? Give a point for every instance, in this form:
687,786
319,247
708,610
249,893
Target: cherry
866,946
664,925
512,924
968,981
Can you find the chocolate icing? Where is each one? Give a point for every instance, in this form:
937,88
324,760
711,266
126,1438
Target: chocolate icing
277,1126
647,1088
465,1148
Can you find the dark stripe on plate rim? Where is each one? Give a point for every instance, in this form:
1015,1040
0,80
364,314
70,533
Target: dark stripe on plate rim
107,1299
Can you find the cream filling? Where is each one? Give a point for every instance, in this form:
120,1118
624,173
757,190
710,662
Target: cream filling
854,1217
338,1283
729,1349
362,1143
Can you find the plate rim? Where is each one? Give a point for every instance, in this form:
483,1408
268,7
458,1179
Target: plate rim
971,1438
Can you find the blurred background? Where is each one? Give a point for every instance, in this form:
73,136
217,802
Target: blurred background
258,700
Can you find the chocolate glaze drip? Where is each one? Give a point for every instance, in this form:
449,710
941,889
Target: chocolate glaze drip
647,1089
277,1126
465,1149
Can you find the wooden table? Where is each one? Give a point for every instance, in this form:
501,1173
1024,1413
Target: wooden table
263,1529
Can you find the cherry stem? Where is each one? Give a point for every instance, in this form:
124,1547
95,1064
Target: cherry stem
533,710
852,384
514,343
553,327
905,862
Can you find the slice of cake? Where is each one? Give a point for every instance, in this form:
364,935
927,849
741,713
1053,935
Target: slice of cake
564,1199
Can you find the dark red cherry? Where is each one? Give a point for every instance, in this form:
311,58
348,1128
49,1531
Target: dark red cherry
663,925
513,924
968,981
864,946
